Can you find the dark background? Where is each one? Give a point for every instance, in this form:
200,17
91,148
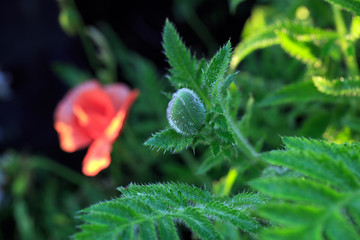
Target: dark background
31,40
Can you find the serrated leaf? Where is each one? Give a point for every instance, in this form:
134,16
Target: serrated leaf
224,85
143,209
349,157
147,230
262,39
184,71
290,214
268,37
201,67
318,166
217,68
200,224
352,6
337,228
225,135
321,203
220,122
167,229
354,211
235,217
294,189
298,50
183,65
338,87
215,147
302,233
248,200
169,140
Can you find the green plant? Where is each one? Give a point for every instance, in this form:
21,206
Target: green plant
321,200
308,191
149,212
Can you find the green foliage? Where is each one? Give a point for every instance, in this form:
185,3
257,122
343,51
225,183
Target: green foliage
352,6
183,65
338,87
284,90
317,203
211,82
261,39
298,50
217,68
295,93
281,33
169,140
151,211
317,175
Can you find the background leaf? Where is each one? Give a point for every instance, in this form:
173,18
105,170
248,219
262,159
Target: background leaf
338,87
321,193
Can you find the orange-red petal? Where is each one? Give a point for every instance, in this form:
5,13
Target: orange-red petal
117,123
88,113
97,158
72,136
94,111
118,93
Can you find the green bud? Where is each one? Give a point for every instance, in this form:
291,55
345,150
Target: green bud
185,112
69,21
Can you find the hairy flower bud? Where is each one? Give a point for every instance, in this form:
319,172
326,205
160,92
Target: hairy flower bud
185,112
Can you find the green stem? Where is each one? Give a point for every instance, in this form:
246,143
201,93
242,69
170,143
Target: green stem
89,50
347,47
244,146
88,47
241,141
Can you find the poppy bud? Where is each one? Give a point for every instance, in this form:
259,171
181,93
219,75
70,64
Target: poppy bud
185,112
69,21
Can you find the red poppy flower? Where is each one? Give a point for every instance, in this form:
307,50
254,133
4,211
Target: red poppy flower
93,115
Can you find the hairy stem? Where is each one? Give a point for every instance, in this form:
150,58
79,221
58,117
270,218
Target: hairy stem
241,141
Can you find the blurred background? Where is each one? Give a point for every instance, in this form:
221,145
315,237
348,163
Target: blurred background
32,41
48,47
41,187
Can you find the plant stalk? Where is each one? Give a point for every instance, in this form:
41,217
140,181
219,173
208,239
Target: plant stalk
347,47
